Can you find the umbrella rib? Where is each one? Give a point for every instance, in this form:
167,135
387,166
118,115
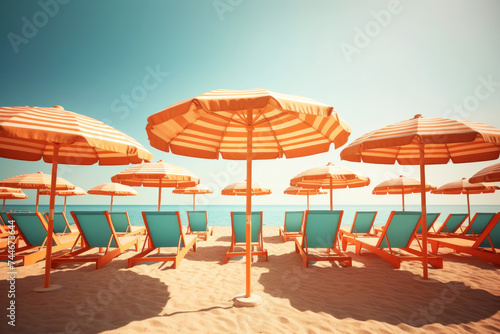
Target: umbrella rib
230,119
280,148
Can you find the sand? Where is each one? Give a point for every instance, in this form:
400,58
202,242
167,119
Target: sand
369,297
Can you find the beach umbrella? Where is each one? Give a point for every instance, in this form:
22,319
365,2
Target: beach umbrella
65,193
330,177
11,193
240,189
464,187
488,174
196,190
400,186
157,175
112,189
38,181
425,141
59,136
303,191
247,125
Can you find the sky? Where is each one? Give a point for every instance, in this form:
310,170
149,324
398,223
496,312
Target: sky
375,62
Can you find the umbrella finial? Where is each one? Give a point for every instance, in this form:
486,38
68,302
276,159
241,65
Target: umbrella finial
418,116
58,107
330,164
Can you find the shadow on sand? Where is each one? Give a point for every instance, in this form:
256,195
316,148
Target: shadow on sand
376,292
90,301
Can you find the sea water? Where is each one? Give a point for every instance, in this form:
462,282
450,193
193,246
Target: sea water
273,215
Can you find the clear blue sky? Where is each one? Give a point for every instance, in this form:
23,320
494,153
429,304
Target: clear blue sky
376,62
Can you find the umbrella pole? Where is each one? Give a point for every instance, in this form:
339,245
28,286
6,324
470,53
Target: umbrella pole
194,201
424,210
159,196
249,209
468,206
3,206
65,197
403,195
48,257
111,207
308,201
38,197
331,195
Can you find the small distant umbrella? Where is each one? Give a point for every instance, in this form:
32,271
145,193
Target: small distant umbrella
11,193
157,175
112,189
488,174
240,189
74,192
36,181
196,190
401,186
303,191
464,187
330,177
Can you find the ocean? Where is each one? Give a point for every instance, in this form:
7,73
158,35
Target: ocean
273,215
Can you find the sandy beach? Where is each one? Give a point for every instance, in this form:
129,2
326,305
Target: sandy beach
369,297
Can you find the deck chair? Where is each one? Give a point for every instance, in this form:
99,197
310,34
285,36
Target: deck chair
485,246
321,228
238,235
61,224
198,224
4,220
164,230
398,233
96,231
121,223
452,224
478,224
431,219
361,225
31,238
293,225
4,236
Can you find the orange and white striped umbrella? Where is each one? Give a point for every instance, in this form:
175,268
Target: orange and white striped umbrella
60,136
400,186
303,191
240,189
199,189
422,141
463,186
11,193
36,181
112,189
330,177
247,125
488,174
158,175
66,193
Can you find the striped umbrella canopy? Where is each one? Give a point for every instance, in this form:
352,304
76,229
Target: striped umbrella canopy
158,175
400,186
247,125
240,189
112,189
330,177
38,181
60,136
421,141
196,190
464,187
303,191
66,193
488,174
11,193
